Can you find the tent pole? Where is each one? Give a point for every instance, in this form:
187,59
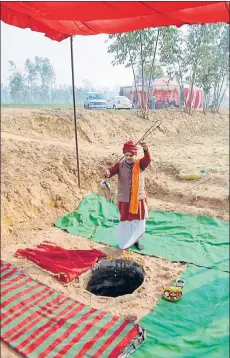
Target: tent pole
74,111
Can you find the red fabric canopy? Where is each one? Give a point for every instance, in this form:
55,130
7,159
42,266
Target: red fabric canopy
59,20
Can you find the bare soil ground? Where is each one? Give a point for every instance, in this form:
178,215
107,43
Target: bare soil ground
39,182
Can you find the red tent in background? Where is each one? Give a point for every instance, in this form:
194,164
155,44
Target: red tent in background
196,97
165,89
161,88
60,20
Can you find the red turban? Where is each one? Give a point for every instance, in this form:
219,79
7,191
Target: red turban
130,147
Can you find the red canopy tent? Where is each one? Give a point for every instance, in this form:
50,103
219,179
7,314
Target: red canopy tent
60,20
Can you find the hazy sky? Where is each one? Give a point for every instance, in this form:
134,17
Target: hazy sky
90,57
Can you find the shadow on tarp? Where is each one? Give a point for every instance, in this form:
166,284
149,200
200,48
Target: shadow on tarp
203,241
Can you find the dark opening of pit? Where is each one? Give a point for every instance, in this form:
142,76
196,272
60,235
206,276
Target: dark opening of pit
113,278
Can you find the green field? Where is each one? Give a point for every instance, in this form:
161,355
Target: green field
64,106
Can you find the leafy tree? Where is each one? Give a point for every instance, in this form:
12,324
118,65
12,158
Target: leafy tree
137,50
173,56
198,43
17,87
221,66
124,48
36,86
46,75
197,54
31,77
208,55
5,94
16,84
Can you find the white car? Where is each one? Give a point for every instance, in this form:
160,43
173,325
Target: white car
94,100
119,102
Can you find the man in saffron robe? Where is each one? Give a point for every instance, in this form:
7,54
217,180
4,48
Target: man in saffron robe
131,194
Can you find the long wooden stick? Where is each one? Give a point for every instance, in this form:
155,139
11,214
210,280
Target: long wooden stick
148,132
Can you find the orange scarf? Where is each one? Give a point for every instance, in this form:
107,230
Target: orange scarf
133,206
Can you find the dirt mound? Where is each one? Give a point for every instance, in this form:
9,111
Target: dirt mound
39,183
39,177
96,126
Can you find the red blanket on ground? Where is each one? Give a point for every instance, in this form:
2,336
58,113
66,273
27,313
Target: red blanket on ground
39,322
66,264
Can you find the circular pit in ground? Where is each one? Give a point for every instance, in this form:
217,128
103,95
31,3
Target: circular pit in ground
113,278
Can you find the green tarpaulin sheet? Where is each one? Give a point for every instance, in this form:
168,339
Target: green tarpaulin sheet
198,324
200,240
195,326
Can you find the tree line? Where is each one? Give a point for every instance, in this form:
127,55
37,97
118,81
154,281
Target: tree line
36,85
197,55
